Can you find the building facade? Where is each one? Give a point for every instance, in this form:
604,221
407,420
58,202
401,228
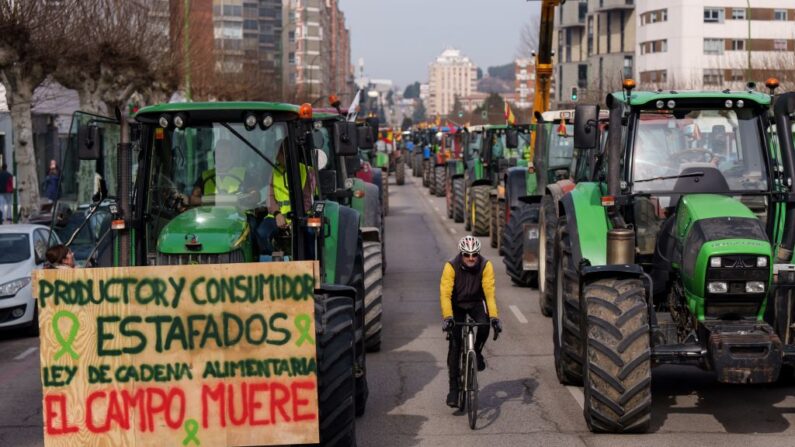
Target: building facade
524,83
451,75
594,42
714,43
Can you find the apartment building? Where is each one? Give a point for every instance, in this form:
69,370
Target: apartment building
524,84
594,42
451,74
714,43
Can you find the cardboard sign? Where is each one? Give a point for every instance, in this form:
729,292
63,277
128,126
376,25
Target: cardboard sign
184,355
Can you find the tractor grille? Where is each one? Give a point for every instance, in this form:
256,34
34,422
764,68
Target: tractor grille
200,258
735,270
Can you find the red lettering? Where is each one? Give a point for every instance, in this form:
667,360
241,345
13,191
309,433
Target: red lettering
133,401
90,413
254,404
216,394
153,408
50,414
237,421
175,393
116,413
298,402
279,401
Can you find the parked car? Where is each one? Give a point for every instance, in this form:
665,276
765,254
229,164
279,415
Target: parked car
22,250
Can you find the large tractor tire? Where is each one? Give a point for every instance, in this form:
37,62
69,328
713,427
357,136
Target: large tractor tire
480,210
385,192
448,199
427,170
513,246
547,225
566,335
500,225
334,335
373,292
360,370
417,165
493,222
617,382
400,171
439,180
458,199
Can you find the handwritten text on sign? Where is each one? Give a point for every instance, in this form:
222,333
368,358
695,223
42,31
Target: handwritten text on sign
212,355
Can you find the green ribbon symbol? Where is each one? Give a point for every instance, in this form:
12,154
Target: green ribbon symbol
66,343
303,323
191,428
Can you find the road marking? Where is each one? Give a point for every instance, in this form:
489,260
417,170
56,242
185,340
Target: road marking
436,208
26,353
452,230
518,314
576,393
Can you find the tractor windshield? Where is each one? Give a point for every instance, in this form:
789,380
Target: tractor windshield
209,165
475,144
669,143
560,146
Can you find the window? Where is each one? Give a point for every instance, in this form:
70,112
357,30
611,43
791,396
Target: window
582,75
736,76
738,45
249,24
291,58
233,10
627,66
713,76
654,46
582,11
738,13
590,36
660,15
713,15
713,46
291,36
780,14
780,45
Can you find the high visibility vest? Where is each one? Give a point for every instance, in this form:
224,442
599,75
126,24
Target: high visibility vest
227,184
280,191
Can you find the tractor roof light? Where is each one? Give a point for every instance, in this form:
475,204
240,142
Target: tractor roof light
305,111
715,262
772,84
629,84
250,121
334,101
164,121
180,120
267,121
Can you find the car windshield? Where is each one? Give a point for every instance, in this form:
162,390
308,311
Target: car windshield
666,143
14,247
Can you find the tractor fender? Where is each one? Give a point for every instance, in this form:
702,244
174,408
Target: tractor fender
371,216
347,243
483,181
587,223
591,273
454,176
515,186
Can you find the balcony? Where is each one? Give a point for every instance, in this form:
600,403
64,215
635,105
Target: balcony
605,5
572,14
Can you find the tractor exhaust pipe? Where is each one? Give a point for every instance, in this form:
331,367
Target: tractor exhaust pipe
783,110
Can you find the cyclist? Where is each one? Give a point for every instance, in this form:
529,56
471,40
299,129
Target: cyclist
467,288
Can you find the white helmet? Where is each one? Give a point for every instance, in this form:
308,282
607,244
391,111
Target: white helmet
469,244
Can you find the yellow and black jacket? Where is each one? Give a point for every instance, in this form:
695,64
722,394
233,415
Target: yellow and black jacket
466,287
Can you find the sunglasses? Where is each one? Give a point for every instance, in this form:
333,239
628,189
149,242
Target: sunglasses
469,255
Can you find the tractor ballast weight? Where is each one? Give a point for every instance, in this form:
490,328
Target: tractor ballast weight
672,260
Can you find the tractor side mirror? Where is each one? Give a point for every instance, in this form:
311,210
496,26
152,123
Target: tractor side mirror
89,142
328,181
586,126
345,139
512,138
366,140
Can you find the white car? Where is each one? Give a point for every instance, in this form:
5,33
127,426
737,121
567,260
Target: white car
22,250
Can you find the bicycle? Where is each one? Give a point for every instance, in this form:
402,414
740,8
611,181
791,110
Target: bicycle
467,369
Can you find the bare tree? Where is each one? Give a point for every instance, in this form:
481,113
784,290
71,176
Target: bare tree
528,38
29,44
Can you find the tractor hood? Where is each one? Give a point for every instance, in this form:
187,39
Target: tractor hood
205,229
715,226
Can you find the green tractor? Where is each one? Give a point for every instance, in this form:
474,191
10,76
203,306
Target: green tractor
680,252
197,185
454,173
484,152
515,157
363,197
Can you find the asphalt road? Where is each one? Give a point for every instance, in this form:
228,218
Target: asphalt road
522,403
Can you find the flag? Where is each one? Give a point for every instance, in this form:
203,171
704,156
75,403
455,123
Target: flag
354,108
509,118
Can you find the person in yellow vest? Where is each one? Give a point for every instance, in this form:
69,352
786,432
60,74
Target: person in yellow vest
224,179
279,207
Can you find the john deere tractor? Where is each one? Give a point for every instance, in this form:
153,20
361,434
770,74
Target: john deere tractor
682,254
515,156
454,173
484,158
194,183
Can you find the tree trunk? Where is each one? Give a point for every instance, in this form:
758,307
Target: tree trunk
20,102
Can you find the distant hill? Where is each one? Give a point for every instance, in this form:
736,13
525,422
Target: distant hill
491,84
504,72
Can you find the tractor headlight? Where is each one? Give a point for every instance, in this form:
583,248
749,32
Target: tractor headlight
12,287
715,262
718,287
761,261
754,287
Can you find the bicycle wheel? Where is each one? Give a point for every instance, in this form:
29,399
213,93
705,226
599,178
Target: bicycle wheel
462,370
472,390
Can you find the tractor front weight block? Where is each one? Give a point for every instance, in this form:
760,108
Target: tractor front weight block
744,353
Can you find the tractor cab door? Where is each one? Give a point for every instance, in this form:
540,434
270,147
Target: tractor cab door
87,191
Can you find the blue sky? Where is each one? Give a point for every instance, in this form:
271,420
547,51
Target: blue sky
399,38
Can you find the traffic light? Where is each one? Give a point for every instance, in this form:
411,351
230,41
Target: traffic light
574,93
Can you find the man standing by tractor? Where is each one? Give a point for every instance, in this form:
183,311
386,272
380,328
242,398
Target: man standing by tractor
467,288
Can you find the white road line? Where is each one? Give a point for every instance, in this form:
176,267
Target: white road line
26,353
576,393
436,208
518,314
452,230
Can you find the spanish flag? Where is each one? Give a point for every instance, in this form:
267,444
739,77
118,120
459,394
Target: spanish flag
509,118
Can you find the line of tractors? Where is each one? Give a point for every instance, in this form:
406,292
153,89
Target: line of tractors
208,183
658,231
